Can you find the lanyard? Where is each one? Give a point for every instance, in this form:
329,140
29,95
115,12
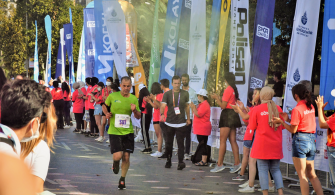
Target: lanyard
173,98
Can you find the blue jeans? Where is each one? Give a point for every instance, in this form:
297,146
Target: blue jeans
264,166
331,160
303,145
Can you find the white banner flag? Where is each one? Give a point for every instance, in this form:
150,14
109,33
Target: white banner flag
81,59
197,45
239,54
302,48
114,20
63,57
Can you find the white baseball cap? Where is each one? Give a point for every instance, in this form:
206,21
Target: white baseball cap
333,93
141,86
202,92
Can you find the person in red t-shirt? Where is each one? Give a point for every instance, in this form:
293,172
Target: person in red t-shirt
105,93
86,117
328,123
229,121
202,126
78,107
267,146
94,127
67,104
58,101
96,96
303,128
154,100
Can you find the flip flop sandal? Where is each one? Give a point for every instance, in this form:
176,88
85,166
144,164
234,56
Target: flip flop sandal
201,163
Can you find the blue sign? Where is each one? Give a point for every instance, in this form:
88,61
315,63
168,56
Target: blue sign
48,29
68,36
36,68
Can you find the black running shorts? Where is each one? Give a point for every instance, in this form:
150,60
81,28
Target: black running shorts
122,143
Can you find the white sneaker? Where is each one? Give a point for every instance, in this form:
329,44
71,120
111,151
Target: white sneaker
97,138
271,189
187,157
137,139
107,141
101,139
247,189
245,184
66,126
156,154
217,169
236,168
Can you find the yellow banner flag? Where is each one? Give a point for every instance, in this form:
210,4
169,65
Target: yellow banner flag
139,74
223,26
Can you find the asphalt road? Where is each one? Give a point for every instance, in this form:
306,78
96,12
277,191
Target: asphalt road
81,165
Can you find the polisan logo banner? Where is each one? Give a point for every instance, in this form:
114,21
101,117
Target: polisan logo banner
197,49
239,58
302,48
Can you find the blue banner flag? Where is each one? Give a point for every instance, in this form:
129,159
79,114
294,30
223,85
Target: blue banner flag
36,68
70,11
170,40
261,46
213,36
327,78
48,29
89,43
183,39
103,59
59,61
68,36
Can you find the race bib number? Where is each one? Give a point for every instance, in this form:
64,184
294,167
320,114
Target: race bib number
176,110
122,121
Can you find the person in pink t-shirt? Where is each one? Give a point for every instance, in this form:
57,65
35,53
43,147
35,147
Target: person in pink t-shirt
86,117
78,107
97,97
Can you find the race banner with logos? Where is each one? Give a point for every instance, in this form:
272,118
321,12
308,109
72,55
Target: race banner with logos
327,78
197,50
139,74
155,60
170,40
36,68
114,18
321,158
61,56
81,72
48,29
68,35
213,36
302,47
183,39
90,43
261,46
223,26
239,57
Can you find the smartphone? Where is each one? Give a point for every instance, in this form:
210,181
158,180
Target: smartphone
289,108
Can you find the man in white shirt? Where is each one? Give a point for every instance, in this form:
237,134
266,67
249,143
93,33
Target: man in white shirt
22,104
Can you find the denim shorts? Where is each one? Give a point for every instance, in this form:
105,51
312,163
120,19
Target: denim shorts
97,109
303,145
248,143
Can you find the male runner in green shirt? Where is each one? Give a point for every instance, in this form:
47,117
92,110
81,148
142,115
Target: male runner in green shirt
121,134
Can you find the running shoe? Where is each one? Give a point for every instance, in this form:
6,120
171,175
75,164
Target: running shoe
66,126
245,184
163,156
217,169
91,135
247,189
76,131
168,164
147,151
181,166
97,139
122,185
236,168
187,157
101,139
116,167
239,178
82,132
156,154
107,141
271,189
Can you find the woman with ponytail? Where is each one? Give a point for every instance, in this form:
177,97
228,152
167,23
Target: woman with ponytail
229,121
303,128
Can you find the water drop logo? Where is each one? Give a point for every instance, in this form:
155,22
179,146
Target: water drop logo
195,69
304,19
114,14
296,76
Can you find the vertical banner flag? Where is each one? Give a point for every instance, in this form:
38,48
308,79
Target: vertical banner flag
302,47
89,44
36,68
61,56
81,59
139,74
170,40
213,36
261,46
68,35
48,29
327,78
223,26
70,11
62,39
115,19
197,50
155,61
239,58
131,54
183,39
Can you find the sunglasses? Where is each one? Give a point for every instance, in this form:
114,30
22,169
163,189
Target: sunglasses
44,117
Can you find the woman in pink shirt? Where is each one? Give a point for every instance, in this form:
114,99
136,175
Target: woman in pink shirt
201,124
97,97
78,107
